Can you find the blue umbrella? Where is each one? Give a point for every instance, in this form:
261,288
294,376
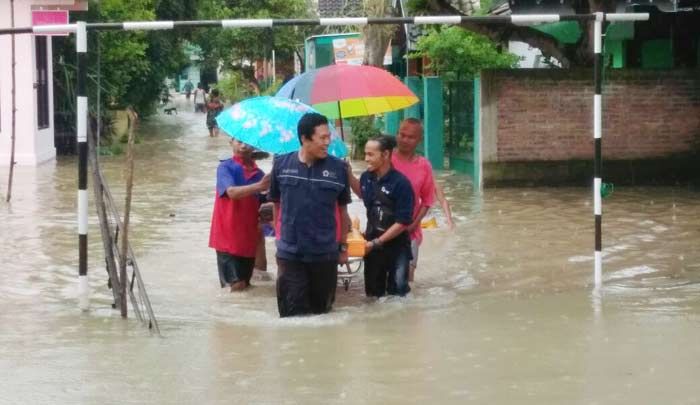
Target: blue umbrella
287,90
270,124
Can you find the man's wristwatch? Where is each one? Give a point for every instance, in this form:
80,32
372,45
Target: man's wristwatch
342,247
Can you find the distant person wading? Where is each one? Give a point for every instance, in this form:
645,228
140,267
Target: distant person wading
188,89
200,98
213,108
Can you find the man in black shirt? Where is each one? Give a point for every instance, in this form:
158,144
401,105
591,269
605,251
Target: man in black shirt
388,197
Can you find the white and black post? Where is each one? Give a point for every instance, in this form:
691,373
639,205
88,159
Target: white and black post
597,137
81,133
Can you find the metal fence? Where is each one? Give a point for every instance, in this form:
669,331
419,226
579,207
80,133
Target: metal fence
459,118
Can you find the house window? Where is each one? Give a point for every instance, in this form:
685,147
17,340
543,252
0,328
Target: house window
42,82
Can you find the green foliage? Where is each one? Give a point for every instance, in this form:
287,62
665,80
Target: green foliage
456,53
132,65
111,150
363,128
234,46
233,49
234,87
484,7
270,88
416,6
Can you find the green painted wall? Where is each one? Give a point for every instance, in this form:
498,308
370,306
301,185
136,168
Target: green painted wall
391,122
415,84
657,54
615,50
434,122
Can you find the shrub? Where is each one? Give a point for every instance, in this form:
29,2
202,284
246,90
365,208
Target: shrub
363,128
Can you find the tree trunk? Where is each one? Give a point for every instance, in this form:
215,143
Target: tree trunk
302,62
377,37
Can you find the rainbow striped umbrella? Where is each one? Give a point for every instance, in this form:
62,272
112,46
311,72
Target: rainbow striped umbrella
343,91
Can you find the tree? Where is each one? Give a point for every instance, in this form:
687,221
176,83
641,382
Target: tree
235,49
133,65
456,53
377,37
579,54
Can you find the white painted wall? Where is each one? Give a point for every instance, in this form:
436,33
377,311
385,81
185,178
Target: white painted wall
33,146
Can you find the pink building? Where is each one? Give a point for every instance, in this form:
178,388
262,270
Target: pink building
34,85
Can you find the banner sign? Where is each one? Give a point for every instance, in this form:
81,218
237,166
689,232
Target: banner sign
351,51
50,17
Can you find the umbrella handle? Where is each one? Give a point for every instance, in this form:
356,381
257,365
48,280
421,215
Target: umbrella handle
340,117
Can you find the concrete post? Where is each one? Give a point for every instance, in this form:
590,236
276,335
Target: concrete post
476,156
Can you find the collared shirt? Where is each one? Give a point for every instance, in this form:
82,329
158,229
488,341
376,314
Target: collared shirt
420,173
308,198
397,189
234,223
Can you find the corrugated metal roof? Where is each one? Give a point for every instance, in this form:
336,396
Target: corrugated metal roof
327,8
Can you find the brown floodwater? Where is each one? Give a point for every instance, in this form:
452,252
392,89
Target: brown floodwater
502,310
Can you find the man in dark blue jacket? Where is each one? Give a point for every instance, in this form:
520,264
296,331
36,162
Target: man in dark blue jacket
388,197
311,193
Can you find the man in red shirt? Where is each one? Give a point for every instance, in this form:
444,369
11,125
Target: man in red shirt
420,173
234,223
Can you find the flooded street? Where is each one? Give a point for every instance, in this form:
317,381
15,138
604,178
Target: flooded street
501,311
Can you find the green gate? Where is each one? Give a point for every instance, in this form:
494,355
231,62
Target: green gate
460,129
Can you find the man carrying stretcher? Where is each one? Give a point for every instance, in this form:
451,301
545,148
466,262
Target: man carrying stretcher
388,198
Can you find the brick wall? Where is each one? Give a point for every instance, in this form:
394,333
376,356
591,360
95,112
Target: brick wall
546,115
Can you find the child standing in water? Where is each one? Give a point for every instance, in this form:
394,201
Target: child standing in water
213,108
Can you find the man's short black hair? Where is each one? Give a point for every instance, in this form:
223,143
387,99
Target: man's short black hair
386,142
308,123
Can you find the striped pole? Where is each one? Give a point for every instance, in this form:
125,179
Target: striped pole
597,138
81,126
514,19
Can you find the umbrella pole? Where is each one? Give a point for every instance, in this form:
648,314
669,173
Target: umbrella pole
340,117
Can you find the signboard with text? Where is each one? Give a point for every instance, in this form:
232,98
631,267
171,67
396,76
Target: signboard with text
351,51
50,17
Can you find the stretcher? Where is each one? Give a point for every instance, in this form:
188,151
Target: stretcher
356,251
348,272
